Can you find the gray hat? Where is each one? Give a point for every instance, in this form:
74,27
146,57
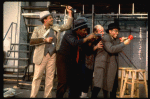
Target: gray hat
80,22
44,14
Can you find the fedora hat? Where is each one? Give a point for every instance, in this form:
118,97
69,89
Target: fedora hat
80,22
113,26
44,14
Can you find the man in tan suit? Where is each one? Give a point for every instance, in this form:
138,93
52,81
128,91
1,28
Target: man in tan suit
45,50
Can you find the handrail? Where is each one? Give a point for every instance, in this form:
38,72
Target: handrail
9,29
11,47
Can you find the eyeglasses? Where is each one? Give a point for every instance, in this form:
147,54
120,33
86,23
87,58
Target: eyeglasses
115,31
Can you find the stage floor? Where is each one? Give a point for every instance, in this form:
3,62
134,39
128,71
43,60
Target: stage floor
25,93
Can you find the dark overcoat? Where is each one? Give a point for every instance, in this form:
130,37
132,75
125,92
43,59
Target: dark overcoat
106,65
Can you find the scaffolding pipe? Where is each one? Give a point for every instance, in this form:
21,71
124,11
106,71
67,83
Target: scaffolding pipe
48,3
133,17
122,14
133,8
119,9
147,51
92,17
83,9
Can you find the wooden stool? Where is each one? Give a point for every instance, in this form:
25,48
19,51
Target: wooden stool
122,69
133,82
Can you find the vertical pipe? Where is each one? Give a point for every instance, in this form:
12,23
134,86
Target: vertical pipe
48,3
92,17
83,9
147,51
133,8
119,9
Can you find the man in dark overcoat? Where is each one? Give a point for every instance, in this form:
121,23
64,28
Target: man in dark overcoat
68,58
106,62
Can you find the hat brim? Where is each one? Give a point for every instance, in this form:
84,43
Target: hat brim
45,16
107,31
80,26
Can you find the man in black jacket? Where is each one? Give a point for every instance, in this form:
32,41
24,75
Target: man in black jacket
68,72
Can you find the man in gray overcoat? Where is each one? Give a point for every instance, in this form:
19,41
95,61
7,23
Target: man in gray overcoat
106,62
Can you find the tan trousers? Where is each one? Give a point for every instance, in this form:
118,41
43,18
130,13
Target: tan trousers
48,64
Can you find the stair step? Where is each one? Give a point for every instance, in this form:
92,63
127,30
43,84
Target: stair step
20,44
31,14
14,67
32,17
40,8
10,81
9,58
22,51
28,84
12,76
25,83
30,32
32,25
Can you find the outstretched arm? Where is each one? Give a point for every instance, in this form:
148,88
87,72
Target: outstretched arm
110,47
68,25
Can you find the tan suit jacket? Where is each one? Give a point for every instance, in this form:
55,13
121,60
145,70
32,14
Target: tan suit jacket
39,32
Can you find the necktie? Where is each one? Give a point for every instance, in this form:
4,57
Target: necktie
77,59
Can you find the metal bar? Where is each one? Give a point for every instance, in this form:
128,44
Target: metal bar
83,9
11,34
134,17
14,46
92,17
123,14
48,3
125,60
147,51
120,14
24,14
133,8
8,30
119,9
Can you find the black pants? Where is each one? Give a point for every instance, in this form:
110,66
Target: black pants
87,75
96,90
68,75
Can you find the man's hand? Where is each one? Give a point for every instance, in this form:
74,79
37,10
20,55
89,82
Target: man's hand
122,39
99,45
68,8
126,42
48,40
89,37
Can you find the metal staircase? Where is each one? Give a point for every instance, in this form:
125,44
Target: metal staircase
20,73
14,71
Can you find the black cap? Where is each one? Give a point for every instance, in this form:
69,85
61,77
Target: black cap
112,26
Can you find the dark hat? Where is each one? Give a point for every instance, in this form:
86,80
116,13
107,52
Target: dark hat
112,26
80,22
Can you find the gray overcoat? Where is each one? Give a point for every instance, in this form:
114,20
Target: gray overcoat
106,65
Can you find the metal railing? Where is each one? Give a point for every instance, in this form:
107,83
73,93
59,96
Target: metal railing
11,26
11,47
